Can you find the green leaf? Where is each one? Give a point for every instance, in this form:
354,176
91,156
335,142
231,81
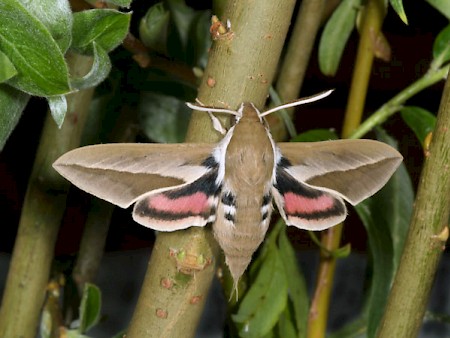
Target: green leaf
386,217
120,3
7,69
75,334
298,291
199,41
420,121
355,329
99,71
153,28
56,15
266,298
120,334
182,16
285,326
164,118
58,108
315,135
12,103
441,45
336,34
443,6
105,27
397,5
42,70
90,307
45,326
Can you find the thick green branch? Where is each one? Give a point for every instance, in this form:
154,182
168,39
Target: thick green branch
42,212
426,238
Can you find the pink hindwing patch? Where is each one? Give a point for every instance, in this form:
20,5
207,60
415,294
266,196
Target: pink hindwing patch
192,204
304,206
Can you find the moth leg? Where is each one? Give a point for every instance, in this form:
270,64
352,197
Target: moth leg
217,125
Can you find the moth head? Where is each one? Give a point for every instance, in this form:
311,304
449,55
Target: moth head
250,112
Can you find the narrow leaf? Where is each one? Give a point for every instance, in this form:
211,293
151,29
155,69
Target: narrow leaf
42,70
182,17
386,218
420,121
90,307
441,45
75,334
315,135
12,103
58,108
265,300
120,3
397,5
169,114
336,34
443,6
106,27
286,328
153,28
199,41
355,329
99,71
298,292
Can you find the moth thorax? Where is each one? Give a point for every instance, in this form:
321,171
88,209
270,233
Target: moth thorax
249,158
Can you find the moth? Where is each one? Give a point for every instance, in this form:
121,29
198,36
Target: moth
233,184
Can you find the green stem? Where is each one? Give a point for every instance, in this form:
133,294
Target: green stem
395,104
92,242
427,235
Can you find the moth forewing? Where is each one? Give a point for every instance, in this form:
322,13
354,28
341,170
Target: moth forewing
352,169
121,173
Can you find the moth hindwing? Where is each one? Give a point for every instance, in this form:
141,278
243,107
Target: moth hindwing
233,184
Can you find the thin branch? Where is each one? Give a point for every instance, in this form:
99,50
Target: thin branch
331,239
396,103
298,53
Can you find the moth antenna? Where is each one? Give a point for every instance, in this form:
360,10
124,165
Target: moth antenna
212,110
298,102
